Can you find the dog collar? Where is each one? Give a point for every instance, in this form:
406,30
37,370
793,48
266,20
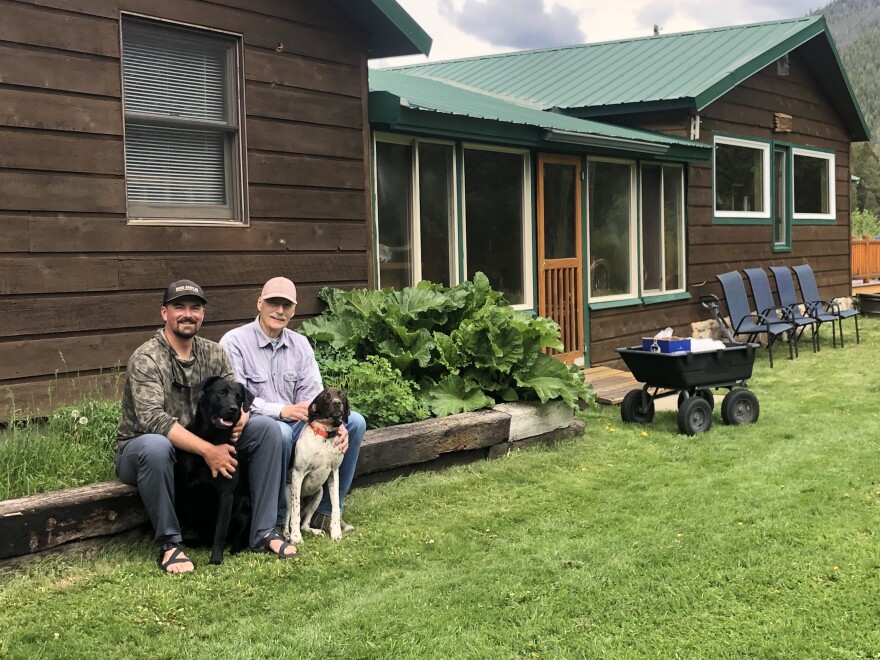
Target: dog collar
323,430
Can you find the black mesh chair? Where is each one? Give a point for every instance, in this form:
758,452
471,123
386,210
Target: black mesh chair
743,321
815,303
767,307
788,297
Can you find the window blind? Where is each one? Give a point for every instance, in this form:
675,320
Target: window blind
176,90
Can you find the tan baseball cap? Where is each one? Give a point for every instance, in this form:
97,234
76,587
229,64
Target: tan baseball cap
279,287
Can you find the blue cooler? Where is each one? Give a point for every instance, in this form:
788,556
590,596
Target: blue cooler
667,345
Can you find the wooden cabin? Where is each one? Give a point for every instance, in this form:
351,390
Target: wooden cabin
607,184
143,142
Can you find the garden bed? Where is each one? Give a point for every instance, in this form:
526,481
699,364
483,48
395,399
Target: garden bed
56,520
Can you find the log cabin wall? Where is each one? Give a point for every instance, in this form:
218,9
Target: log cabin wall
80,287
748,111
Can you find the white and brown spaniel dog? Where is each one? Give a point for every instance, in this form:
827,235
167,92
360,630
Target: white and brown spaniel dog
316,461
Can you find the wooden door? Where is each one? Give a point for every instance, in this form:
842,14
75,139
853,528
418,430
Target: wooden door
560,276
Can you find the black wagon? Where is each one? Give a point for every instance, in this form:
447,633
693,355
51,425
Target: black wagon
693,376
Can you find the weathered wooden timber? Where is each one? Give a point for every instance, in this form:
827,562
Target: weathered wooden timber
51,522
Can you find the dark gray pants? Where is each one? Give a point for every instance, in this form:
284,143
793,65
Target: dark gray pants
147,461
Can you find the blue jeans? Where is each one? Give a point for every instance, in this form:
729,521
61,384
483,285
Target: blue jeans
290,431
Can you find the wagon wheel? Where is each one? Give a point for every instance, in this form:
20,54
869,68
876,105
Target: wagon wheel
706,394
694,416
740,407
632,411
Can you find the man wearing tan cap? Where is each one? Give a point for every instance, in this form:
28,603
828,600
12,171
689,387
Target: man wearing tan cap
278,366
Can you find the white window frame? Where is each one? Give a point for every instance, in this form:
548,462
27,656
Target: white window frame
235,212
415,205
527,256
681,225
765,149
634,231
832,184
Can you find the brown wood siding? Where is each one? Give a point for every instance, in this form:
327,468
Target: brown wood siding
82,287
748,111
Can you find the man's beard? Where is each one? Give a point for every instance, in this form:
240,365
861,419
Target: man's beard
185,333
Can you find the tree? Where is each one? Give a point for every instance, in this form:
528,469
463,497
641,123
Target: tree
866,166
864,223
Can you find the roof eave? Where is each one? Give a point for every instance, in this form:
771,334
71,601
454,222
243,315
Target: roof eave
595,111
392,112
392,31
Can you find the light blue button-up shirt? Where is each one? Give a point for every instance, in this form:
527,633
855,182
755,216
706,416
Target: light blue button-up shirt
277,375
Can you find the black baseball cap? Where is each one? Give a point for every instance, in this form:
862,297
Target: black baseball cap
182,289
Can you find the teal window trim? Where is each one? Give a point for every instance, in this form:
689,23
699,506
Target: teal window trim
641,300
611,304
783,245
649,299
742,221
735,219
813,221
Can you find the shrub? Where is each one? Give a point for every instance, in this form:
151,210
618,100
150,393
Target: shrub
464,347
375,389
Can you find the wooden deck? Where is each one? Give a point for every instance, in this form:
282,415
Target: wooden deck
611,385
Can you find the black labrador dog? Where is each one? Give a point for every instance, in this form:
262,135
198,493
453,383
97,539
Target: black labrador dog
215,508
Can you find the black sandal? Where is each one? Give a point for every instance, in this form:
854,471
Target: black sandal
262,546
177,557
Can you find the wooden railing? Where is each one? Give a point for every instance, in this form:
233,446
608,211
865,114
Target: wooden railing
865,258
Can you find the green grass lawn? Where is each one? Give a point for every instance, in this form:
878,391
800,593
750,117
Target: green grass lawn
631,542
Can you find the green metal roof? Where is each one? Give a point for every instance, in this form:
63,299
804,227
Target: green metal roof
414,103
689,69
392,31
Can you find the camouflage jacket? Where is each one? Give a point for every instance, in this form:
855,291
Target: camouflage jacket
160,388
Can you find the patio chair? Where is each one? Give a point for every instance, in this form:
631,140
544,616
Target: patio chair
814,302
766,305
789,298
743,321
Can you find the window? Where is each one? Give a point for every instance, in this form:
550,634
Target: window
742,178
497,220
662,194
813,185
394,213
415,211
612,229
183,138
437,210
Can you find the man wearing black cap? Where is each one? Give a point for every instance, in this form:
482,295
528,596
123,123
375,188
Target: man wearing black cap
159,399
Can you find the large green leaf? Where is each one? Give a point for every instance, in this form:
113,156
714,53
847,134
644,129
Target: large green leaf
415,302
552,379
452,395
448,354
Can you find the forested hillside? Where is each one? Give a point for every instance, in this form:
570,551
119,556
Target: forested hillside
855,26
850,19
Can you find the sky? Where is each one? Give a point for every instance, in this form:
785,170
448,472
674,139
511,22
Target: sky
464,28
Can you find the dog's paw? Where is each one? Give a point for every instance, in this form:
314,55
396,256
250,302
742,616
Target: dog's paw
291,534
336,534
316,532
